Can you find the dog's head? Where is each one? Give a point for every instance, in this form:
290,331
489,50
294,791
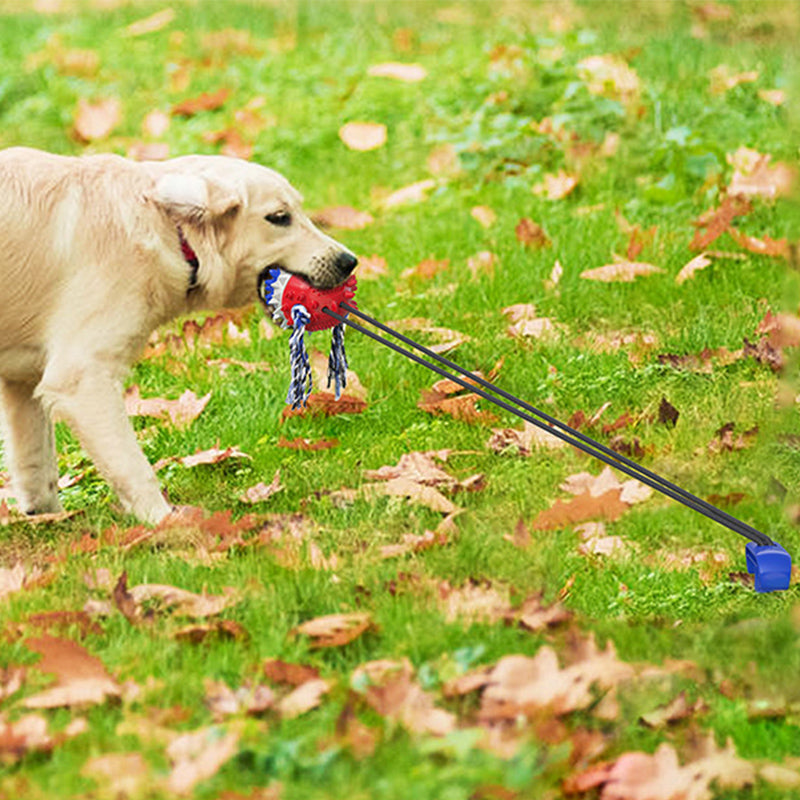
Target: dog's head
242,219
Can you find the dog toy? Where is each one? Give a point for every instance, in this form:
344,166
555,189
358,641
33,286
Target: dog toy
295,304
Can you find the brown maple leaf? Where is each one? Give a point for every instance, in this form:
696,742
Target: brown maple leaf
392,692
198,755
622,270
531,234
28,734
344,218
81,678
303,698
583,507
180,412
363,136
263,491
713,223
207,101
279,671
335,630
461,407
94,121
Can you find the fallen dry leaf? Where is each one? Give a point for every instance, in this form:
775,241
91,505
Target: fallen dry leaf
631,490
389,688
443,161
344,218
207,101
699,262
416,492
461,407
219,628
595,542
121,775
531,234
28,734
555,276
413,193
526,324
308,445
524,441
81,678
754,176
783,330
724,441
407,73
610,76
679,708
95,121
426,269
222,328
722,78
533,615
523,685
363,136
325,403
214,455
641,776
621,270
473,602
713,223
775,97
484,216
583,507
155,22
284,672
183,603
482,263
766,246
180,412
19,577
198,756
233,143
303,698
335,630
371,268
262,491
556,187
418,467
413,543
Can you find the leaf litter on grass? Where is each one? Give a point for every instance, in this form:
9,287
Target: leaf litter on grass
532,695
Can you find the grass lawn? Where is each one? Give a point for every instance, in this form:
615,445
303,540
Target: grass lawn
542,141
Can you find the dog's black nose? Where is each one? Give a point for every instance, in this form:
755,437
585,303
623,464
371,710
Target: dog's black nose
346,263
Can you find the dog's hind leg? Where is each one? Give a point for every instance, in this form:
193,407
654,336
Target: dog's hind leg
30,448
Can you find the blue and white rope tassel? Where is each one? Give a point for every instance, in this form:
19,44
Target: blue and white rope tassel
337,361
301,383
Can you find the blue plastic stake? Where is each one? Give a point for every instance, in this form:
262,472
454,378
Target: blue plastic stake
771,566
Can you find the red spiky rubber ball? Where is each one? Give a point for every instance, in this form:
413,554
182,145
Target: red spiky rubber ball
281,291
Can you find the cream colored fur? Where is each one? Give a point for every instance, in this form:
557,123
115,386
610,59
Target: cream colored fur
90,264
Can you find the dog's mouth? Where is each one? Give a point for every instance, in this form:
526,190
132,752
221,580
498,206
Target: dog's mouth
325,273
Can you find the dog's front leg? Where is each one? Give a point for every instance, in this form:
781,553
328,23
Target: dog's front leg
31,448
90,401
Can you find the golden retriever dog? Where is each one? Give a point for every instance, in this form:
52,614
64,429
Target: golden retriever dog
98,251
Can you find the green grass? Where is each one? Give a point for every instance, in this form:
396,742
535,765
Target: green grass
310,64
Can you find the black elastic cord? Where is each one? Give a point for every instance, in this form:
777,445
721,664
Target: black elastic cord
693,501
559,429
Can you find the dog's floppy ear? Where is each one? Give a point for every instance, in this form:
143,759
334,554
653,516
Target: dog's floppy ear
193,199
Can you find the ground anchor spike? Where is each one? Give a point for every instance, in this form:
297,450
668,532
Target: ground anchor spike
770,565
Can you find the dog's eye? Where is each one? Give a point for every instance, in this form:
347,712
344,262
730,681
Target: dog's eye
281,218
